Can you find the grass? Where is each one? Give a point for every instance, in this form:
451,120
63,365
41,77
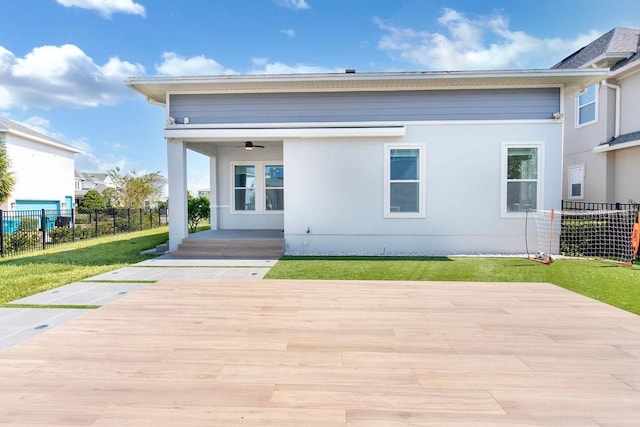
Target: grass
606,282
37,272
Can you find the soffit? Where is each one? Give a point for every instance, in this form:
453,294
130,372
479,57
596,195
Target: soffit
156,88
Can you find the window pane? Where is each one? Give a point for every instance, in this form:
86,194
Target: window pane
403,197
245,176
576,190
404,164
522,163
245,199
588,96
587,113
521,196
576,175
273,176
275,199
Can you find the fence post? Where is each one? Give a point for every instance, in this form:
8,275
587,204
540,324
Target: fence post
43,227
129,219
1,234
73,225
141,223
96,227
113,213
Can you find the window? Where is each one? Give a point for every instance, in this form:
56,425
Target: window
521,171
258,187
274,187
244,185
576,182
404,186
587,106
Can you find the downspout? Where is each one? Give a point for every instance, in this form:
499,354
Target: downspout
617,110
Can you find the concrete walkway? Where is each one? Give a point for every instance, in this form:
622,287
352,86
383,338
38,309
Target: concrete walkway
20,324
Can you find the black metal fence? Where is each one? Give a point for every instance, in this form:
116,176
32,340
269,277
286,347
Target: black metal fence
30,231
570,205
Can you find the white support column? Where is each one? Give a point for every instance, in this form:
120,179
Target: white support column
213,191
177,171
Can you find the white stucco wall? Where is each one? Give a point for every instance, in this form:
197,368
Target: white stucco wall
627,179
630,104
226,218
579,142
42,172
334,192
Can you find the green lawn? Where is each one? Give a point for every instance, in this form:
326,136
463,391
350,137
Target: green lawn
40,271
610,283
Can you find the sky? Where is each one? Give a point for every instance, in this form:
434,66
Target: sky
64,63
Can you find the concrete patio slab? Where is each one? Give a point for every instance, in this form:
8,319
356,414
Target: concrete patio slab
169,261
331,353
134,273
20,324
83,293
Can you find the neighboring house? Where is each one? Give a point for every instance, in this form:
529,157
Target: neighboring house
602,123
85,181
162,195
100,181
417,163
43,168
204,193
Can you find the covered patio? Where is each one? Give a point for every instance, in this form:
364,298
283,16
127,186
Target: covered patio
331,353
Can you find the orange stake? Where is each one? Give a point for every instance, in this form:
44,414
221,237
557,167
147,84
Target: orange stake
635,237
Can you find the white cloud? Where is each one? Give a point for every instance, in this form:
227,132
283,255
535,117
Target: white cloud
294,4
480,43
50,76
39,124
88,161
176,65
259,61
289,32
281,68
107,7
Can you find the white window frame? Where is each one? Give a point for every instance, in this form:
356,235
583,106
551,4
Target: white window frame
570,182
579,106
422,164
539,145
260,188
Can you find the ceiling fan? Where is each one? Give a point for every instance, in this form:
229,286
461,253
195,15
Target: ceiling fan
250,146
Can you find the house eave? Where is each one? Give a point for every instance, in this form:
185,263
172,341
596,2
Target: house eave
603,148
155,89
45,141
224,133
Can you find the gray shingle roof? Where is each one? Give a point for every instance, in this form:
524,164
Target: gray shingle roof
628,137
8,125
620,44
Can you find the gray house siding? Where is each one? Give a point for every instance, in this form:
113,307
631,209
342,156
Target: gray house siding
480,104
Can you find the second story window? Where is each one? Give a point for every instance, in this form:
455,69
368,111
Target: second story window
587,106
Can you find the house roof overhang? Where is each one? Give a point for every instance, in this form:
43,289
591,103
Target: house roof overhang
41,139
623,141
156,89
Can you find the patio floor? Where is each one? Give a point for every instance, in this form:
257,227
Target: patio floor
329,353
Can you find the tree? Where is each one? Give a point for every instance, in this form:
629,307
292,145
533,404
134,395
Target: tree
197,210
131,190
7,178
92,201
